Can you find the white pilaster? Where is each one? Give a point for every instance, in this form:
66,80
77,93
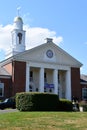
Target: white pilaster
27,77
55,81
41,80
68,85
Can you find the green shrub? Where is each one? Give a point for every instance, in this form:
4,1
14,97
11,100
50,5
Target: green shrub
35,101
64,105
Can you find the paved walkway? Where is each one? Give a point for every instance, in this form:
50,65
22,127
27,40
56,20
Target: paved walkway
8,110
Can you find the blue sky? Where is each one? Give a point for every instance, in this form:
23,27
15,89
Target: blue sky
63,20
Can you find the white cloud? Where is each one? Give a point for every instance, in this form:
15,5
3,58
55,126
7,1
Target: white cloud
5,37
34,36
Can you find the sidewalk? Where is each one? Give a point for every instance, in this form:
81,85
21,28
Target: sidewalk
8,110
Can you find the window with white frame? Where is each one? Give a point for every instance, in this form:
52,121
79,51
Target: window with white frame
84,93
1,89
31,75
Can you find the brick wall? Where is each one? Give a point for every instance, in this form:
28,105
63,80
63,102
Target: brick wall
18,77
7,87
75,83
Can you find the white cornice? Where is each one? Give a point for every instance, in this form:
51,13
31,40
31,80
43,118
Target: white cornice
5,76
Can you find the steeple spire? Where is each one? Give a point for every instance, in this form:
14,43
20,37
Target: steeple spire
18,10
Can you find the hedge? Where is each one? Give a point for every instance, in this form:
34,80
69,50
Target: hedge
35,101
65,105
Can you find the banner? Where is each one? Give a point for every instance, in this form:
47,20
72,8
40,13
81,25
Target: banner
49,85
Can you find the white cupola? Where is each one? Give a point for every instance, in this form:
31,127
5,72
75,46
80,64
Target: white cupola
18,23
18,38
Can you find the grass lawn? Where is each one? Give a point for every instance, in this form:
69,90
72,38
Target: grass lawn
43,121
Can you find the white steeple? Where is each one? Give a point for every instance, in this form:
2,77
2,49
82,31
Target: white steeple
18,38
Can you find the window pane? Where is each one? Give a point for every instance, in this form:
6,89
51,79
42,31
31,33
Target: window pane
0,91
84,93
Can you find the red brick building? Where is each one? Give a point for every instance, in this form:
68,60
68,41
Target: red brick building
45,68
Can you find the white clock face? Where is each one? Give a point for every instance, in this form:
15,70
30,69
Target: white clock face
49,53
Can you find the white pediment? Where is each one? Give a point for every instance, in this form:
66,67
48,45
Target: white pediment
49,53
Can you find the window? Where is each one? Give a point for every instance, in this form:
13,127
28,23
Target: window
31,76
84,93
1,89
20,37
45,77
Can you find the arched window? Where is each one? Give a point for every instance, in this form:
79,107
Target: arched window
19,37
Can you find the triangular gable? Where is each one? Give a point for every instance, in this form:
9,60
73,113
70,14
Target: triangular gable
39,54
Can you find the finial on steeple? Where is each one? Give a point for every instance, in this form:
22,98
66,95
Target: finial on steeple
18,10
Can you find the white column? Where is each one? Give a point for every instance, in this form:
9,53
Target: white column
68,85
55,81
41,80
27,77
